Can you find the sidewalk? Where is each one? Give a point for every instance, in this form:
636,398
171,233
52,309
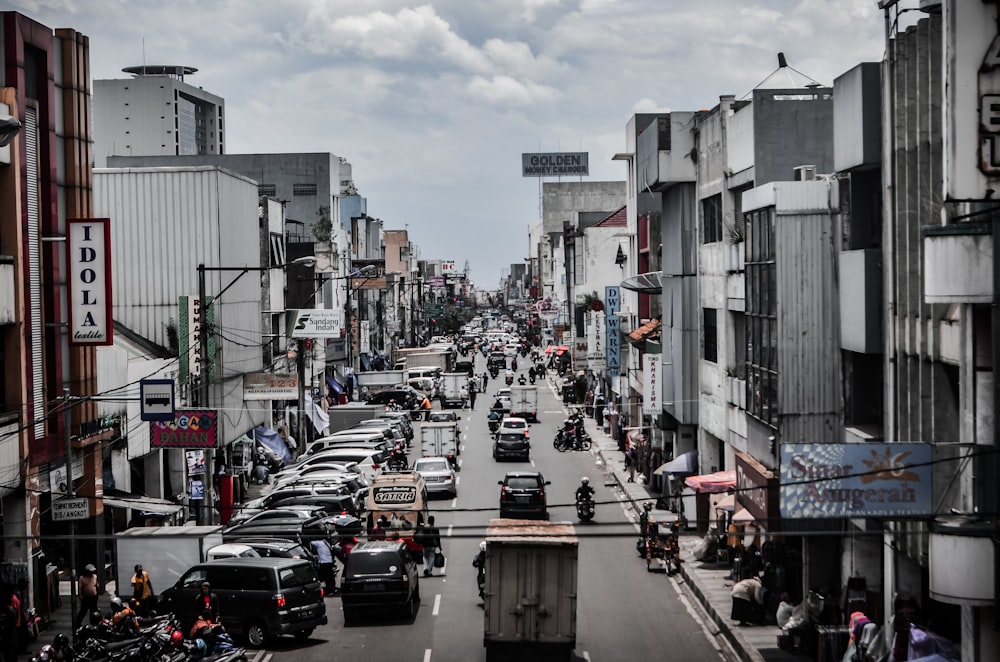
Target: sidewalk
705,581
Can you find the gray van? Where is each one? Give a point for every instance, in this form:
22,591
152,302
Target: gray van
259,598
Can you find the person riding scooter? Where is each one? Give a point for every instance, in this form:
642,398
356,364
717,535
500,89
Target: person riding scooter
509,377
585,500
479,563
521,379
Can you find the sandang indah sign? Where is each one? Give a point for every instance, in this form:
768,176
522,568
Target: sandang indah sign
555,164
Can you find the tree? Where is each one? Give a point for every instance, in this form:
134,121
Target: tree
322,227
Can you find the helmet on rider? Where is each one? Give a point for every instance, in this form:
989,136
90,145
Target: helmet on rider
95,617
200,644
585,480
482,546
116,605
176,638
61,640
647,506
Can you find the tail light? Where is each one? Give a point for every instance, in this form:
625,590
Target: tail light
321,594
280,601
541,491
503,493
406,581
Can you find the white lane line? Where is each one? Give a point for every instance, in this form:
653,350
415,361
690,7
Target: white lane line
427,655
586,656
458,480
454,503
258,655
449,530
462,448
267,658
532,463
437,605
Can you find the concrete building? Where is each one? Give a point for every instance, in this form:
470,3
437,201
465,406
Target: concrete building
156,113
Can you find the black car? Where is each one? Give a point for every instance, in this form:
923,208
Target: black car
522,495
378,575
334,504
302,531
259,598
511,445
465,366
444,417
404,399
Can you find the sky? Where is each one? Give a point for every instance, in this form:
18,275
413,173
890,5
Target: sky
434,102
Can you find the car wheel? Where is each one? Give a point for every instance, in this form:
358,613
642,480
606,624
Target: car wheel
256,634
304,634
413,606
349,616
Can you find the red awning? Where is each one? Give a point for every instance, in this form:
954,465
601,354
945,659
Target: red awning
720,481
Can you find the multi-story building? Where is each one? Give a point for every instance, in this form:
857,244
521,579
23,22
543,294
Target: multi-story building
156,113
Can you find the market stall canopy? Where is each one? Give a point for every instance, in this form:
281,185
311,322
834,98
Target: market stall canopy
685,463
742,516
727,502
649,330
720,481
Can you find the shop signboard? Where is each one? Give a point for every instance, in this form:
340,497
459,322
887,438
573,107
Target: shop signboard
190,428
613,327
757,490
270,386
856,480
595,341
652,387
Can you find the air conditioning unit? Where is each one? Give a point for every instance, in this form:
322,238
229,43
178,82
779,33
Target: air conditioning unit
805,173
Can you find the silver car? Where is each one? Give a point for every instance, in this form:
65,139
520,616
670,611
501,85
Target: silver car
439,477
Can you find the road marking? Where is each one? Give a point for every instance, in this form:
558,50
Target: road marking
458,480
454,503
427,655
532,463
462,448
449,530
586,656
267,658
437,605
258,655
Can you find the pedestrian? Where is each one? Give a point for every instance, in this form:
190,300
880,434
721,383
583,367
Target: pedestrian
378,531
747,602
486,379
327,568
86,588
432,545
426,406
142,591
207,601
472,394
630,461
8,626
289,440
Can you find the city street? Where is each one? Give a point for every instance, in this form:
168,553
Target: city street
623,612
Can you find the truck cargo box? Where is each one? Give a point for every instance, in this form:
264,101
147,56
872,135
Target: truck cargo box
531,590
165,552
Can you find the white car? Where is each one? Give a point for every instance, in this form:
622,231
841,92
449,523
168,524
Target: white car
511,349
503,395
438,475
512,424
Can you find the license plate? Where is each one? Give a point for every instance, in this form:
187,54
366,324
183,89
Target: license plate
522,499
374,587
306,614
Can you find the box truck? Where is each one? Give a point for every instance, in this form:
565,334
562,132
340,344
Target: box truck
530,594
454,391
347,416
165,552
524,402
440,440
370,383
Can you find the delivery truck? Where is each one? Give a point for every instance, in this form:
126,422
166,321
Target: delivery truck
347,416
440,440
530,594
370,383
524,402
444,361
165,552
454,389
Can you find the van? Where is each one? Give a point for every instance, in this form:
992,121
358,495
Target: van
401,496
259,598
359,438
423,371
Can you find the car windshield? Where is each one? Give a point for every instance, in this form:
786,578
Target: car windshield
514,424
296,576
522,483
432,465
511,436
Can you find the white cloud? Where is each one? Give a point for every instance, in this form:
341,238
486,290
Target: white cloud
508,91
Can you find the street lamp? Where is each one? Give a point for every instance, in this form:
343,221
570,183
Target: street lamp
205,385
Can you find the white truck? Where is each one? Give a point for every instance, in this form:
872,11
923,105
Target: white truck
431,359
165,552
370,383
347,416
524,402
531,590
454,389
441,440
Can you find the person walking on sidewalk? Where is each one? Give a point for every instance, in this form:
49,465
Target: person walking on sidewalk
142,591
86,588
630,462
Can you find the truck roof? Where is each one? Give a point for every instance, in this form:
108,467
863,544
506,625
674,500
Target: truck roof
530,531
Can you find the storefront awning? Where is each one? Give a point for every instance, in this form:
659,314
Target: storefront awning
648,283
647,330
334,385
720,481
726,503
144,504
685,463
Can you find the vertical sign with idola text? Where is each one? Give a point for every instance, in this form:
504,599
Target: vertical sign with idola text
612,336
88,260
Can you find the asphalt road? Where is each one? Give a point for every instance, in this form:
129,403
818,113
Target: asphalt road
623,613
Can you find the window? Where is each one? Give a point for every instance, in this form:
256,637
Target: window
711,218
303,189
761,322
710,333
267,190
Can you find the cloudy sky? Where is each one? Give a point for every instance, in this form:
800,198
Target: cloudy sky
433,102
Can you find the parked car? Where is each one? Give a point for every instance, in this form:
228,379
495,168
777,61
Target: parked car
302,531
444,417
379,575
438,475
259,598
230,551
278,548
403,398
522,495
509,445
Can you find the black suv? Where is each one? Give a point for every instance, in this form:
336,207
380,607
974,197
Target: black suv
259,598
403,398
380,574
511,444
522,495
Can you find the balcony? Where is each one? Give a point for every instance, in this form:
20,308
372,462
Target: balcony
663,152
958,263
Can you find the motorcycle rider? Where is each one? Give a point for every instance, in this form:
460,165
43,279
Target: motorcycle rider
585,492
532,374
479,563
521,379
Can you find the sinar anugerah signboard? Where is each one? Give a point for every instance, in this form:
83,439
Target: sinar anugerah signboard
555,164
855,480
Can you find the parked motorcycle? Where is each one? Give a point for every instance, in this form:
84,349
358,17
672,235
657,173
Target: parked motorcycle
585,509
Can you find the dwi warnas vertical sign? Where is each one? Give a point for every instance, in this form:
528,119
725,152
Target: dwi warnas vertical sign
88,260
856,480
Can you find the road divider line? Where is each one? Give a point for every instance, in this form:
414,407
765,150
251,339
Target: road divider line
462,448
458,480
449,530
437,605
427,655
454,503
586,656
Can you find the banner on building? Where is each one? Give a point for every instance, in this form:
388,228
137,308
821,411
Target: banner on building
314,323
364,337
855,480
192,316
191,428
652,388
88,259
595,341
555,164
613,327
270,386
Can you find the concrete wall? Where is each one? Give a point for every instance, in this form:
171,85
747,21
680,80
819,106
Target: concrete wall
563,200
792,128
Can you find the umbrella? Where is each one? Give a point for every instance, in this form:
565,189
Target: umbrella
727,502
685,463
